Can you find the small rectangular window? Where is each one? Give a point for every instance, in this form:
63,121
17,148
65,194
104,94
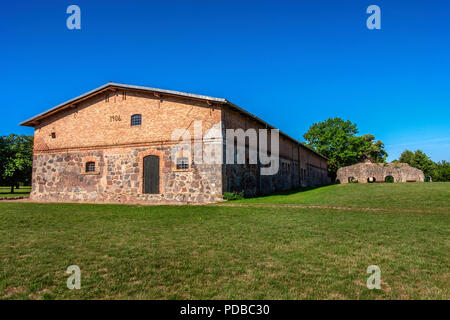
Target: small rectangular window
182,163
136,120
90,166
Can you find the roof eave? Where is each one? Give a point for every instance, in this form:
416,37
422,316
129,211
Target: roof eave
33,121
239,109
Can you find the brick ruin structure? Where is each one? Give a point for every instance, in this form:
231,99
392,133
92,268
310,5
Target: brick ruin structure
368,172
114,145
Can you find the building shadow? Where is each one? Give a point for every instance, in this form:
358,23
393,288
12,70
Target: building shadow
289,192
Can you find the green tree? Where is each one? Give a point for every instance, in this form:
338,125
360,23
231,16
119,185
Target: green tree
407,156
336,139
418,159
442,171
16,159
373,149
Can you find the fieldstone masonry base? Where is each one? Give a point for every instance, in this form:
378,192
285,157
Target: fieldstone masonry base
118,178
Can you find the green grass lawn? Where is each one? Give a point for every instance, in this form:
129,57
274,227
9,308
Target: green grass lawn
266,248
5,192
387,195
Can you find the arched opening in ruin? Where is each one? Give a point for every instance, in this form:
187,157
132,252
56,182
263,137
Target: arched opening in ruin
352,180
389,179
371,180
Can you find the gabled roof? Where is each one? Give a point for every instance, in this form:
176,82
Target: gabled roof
112,85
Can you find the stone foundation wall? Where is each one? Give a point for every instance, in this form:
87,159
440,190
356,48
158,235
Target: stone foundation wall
119,178
401,172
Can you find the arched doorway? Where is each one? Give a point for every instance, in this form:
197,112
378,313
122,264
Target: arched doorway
389,179
371,180
151,174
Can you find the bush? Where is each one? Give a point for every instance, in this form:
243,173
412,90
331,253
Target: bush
389,179
233,195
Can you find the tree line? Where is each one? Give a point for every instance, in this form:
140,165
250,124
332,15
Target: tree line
434,171
337,140
16,160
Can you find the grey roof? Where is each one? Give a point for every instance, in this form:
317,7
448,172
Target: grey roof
119,85
30,122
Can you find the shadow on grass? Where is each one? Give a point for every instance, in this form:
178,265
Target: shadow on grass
289,192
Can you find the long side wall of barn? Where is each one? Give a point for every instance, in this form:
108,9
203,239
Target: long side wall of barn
119,177
313,168
298,165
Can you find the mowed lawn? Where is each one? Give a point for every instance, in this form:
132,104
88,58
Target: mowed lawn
378,195
314,244
5,192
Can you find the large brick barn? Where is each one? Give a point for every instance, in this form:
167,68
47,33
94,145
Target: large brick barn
115,144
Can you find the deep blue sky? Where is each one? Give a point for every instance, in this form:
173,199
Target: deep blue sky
292,63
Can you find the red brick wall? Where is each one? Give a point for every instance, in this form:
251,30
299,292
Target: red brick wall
90,124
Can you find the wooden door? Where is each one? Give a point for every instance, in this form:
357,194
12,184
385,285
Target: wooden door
151,174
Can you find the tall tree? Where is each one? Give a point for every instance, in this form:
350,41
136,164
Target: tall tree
16,159
336,139
373,149
418,159
442,171
407,156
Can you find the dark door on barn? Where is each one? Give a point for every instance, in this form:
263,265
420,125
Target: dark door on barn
151,174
